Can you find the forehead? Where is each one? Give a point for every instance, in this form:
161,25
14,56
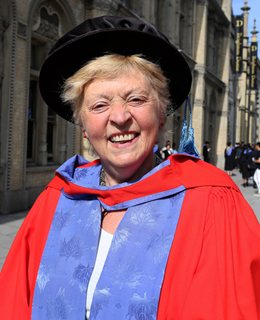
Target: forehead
133,80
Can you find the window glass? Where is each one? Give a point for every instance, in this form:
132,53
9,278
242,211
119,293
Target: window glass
31,120
51,134
41,137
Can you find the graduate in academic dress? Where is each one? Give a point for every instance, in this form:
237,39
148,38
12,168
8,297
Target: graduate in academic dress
124,237
229,155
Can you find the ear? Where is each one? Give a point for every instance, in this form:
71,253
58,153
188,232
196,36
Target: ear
162,123
85,136
162,120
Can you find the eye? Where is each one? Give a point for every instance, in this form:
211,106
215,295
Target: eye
136,100
99,107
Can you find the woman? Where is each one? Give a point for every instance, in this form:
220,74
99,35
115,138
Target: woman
229,158
244,161
167,150
256,162
122,238
206,152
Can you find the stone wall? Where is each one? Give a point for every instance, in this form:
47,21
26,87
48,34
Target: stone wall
191,25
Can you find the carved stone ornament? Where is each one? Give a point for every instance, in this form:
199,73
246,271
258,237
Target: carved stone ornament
109,5
46,21
22,29
202,2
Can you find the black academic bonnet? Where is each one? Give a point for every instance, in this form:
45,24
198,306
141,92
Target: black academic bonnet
111,34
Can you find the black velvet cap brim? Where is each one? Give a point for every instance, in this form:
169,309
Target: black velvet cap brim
72,53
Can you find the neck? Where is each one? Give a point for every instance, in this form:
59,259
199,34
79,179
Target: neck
113,176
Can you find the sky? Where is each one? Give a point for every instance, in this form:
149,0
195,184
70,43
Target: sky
254,13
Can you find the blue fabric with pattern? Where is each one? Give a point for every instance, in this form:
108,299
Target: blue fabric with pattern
130,283
187,144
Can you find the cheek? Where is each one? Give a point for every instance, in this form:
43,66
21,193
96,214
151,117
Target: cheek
86,125
94,128
153,121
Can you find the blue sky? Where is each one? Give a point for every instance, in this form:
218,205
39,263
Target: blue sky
254,13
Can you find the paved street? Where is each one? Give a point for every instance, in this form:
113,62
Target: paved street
9,224
249,193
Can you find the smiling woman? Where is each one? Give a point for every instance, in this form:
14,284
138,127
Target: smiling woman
112,66
123,160
121,105
126,237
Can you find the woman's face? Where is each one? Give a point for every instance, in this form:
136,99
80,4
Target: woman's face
121,119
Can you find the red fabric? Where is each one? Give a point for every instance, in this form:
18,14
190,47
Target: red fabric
213,270
19,272
183,171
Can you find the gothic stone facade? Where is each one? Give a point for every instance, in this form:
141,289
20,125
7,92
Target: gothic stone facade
34,141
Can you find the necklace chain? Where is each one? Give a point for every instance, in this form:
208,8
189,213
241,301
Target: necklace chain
102,180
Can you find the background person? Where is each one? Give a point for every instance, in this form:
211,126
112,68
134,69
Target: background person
237,151
167,150
229,158
245,161
120,237
206,151
256,161
174,149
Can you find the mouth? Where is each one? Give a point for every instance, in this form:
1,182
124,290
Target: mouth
123,137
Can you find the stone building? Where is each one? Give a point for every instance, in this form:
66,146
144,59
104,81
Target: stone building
34,141
254,84
246,80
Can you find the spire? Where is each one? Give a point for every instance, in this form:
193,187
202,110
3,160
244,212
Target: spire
254,32
245,8
254,28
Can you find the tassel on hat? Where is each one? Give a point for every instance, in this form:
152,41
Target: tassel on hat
187,144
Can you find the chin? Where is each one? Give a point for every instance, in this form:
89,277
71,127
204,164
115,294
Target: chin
127,163
136,162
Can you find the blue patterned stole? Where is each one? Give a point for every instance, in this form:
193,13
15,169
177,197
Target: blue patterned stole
130,283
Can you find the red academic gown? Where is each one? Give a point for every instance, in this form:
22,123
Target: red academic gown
213,269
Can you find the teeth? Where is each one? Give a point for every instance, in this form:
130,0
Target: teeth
123,137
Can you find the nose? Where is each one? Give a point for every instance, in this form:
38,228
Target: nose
119,113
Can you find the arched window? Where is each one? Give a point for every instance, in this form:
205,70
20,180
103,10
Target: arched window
186,26
42,122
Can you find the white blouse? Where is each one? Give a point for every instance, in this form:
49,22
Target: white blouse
103,248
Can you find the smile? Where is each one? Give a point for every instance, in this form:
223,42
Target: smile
122,138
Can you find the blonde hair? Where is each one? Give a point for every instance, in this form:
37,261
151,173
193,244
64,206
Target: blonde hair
110,66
